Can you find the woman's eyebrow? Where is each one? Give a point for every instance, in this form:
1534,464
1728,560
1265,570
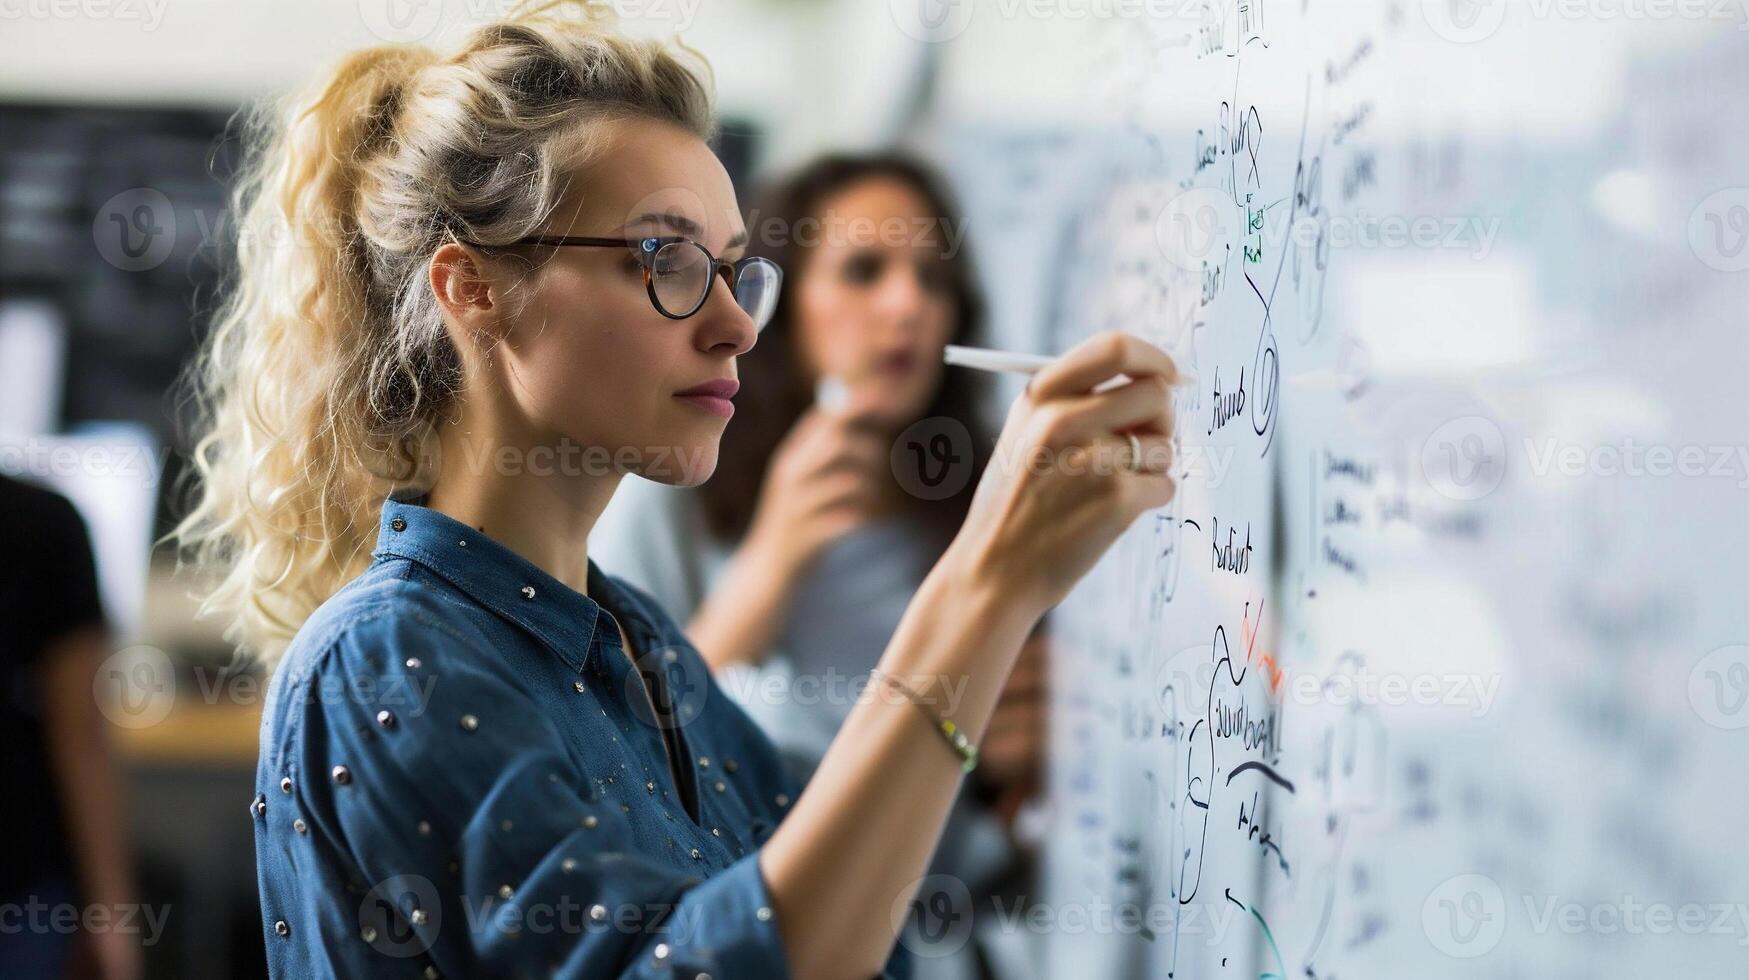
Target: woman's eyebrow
685,226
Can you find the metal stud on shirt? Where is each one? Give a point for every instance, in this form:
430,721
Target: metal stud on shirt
470,723
259,806
418,917
342,775
386,718
413,663
282,928
528,592
285,785
398,524
661,952
598,913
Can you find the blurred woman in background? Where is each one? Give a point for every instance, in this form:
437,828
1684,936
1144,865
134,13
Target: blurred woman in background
793,565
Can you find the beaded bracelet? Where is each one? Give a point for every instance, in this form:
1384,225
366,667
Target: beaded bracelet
956,739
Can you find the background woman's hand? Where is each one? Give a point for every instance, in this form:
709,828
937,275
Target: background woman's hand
1059,490
826,479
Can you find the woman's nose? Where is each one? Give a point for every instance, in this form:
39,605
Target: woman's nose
902,295
723,327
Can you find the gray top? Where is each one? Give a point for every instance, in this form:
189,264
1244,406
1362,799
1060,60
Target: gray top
840,621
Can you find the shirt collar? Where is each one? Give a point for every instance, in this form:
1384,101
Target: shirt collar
566,620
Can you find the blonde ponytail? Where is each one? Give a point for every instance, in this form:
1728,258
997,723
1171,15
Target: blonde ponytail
328,366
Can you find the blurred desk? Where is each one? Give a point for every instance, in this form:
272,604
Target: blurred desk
213,735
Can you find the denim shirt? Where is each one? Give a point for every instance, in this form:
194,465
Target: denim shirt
462,773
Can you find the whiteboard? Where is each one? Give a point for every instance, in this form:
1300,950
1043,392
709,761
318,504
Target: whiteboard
1436,666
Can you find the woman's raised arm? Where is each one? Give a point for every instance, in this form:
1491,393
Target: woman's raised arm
1066,481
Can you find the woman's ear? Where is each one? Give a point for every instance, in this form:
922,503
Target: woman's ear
470,294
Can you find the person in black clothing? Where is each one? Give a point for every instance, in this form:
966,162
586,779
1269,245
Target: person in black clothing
63,851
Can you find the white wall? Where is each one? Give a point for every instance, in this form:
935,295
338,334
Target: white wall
815,72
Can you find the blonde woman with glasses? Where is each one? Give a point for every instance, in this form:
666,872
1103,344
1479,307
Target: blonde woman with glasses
475,290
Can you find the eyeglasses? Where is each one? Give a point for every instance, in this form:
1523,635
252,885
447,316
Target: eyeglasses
679,272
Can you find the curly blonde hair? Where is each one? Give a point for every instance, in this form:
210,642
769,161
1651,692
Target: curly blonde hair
328,365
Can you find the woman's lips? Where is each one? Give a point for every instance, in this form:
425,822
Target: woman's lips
710,403
712,396
898,363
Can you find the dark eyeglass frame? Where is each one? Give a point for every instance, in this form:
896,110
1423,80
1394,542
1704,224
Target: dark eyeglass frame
646,249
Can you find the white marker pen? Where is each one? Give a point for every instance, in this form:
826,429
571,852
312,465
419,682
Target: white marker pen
1011,362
